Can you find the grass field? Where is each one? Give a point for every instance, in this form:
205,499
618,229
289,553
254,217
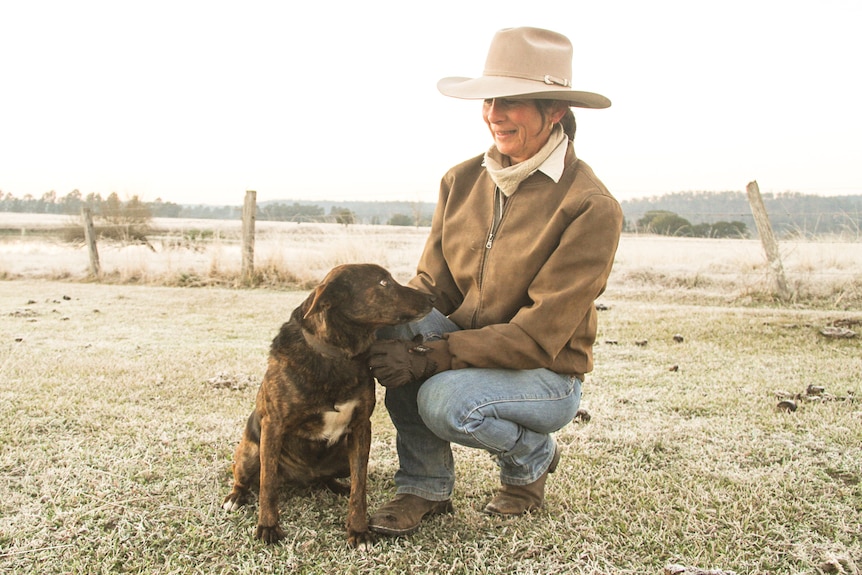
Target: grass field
121,403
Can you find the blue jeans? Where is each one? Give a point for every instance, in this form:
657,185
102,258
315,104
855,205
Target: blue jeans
509,413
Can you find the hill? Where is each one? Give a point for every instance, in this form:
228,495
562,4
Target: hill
791,213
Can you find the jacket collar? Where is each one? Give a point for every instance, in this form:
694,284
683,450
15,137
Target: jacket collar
554,165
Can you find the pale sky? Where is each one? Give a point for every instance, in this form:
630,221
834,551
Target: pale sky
198,101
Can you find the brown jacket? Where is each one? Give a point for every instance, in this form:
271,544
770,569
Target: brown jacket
528,300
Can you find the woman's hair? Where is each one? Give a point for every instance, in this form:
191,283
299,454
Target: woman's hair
567,121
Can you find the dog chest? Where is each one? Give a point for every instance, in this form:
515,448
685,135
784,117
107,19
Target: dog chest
336,423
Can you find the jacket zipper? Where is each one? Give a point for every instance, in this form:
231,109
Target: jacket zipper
498,215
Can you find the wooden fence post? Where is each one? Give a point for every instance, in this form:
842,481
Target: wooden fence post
249,210
90,240
767,238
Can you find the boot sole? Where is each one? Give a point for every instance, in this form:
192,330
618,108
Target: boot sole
438,509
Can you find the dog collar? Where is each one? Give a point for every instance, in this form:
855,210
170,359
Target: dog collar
322,347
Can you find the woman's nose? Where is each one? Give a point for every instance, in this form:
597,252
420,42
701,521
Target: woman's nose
493,111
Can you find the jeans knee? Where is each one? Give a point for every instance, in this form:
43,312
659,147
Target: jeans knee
439,408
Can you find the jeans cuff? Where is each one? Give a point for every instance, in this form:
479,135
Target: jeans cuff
424,494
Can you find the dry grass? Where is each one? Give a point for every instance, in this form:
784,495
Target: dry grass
824,273
120,405
208,252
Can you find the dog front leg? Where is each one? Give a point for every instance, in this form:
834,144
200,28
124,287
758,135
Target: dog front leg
271,439
359,447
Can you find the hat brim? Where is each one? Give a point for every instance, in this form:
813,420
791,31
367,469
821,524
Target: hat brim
486,87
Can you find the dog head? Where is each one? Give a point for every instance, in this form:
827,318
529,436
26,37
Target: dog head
354,300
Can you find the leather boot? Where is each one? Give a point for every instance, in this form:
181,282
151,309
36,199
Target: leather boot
520,499
402,515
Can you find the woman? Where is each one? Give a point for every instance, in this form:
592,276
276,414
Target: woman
521,244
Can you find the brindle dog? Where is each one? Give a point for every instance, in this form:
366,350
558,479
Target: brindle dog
312,418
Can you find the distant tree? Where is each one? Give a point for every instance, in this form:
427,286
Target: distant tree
665,223
343,216
701,230
71,202
400,220
162,209
127,221
288,213
9,203
94,202
646,221
29,204
134,210
48,203
417,213
112,209
733,229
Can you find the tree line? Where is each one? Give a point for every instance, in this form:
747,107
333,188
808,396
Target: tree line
667,223
698,214
714,214
112,207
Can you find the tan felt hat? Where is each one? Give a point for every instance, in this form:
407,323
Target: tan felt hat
525,63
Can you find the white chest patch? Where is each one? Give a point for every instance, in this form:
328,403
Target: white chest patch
335,422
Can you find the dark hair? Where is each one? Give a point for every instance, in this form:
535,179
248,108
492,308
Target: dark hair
567,121
569,124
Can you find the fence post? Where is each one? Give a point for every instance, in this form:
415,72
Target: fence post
249,210
767,238
90,240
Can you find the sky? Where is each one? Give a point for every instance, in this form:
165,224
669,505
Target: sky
199,101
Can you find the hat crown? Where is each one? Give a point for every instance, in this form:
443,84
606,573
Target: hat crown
531,54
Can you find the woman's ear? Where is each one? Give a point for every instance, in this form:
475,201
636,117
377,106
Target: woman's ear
559,111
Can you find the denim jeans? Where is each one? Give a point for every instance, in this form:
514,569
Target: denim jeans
509,413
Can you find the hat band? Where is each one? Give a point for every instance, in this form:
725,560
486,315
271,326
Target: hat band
550,80
547,79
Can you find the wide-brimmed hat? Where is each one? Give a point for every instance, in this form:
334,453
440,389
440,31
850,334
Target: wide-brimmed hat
525,63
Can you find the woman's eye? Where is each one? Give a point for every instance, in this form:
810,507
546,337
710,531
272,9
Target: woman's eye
503,102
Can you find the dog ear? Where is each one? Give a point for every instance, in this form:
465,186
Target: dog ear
319,301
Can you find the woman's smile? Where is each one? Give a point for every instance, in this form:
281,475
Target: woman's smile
518,128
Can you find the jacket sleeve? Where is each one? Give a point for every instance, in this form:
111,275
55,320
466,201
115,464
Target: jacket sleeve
432,273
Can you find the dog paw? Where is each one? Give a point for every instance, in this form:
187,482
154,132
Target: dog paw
269,535
337,487
360,540
234,501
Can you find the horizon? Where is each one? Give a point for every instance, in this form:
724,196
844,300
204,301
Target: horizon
239,204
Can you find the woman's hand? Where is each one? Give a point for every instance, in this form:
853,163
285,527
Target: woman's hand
397,362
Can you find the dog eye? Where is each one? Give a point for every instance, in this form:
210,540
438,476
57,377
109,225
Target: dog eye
384,283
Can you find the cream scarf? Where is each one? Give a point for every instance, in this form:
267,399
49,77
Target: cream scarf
508,178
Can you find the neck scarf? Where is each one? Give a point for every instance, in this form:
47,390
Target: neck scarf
508,177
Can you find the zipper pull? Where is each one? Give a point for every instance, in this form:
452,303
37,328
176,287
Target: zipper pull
490,241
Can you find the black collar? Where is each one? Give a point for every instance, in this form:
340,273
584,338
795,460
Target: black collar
324,348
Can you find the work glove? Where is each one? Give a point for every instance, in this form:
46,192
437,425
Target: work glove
397,362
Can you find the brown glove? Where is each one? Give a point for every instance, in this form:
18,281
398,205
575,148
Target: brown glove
397,362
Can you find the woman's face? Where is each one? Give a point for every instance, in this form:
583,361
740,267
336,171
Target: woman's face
517,126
